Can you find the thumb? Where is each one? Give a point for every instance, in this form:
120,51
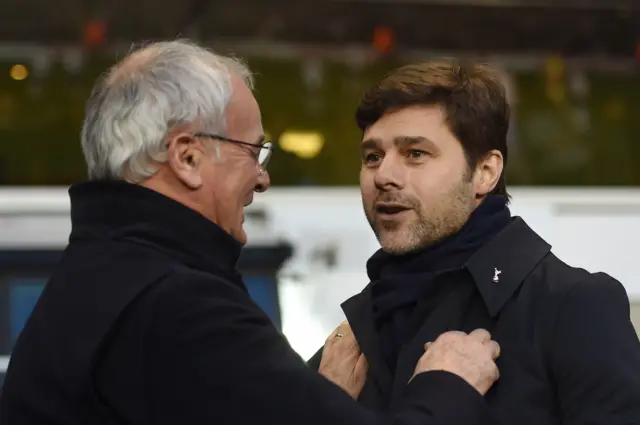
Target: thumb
362,365
359,376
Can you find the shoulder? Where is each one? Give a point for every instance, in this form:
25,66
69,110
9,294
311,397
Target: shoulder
558,296
569,302
562,283
593,298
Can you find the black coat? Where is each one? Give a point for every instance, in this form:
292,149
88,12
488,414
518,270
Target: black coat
570,354
147,322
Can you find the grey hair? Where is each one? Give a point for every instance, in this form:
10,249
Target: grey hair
152,91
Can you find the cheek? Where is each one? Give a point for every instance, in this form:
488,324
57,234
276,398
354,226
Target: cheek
367,189
244,180
226,184
433,186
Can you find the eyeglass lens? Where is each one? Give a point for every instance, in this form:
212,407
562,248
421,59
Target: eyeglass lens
265,154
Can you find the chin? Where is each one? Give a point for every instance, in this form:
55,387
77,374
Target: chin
239,234
398,249
396,243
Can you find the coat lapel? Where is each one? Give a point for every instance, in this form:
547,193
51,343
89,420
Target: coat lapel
359,312
446,316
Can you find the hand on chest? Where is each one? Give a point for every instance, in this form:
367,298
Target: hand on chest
394,345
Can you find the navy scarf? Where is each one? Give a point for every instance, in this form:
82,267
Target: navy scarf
400,281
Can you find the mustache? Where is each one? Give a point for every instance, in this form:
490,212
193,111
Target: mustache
395,198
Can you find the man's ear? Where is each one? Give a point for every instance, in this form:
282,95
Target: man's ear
488,172
185,155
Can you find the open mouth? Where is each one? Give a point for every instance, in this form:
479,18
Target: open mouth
390,209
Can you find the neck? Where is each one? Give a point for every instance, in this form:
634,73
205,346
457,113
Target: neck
174,189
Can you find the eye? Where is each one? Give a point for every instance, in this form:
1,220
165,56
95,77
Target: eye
371,158
416,154
252,150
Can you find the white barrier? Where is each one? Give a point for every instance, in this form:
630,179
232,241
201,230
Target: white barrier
597,229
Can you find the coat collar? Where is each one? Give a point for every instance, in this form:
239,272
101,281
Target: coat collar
498,268
501,265
118,210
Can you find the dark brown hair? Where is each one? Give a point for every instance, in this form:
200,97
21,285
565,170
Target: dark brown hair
471,95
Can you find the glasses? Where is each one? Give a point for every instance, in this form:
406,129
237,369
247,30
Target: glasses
262,156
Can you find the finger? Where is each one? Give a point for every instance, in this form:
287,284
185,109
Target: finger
344,340
338,332
361,366
450,336
495,349
360,373
344,329
496,373
481,335
427,345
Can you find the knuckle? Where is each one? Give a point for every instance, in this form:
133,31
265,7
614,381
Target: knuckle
480,334
451,336
494,348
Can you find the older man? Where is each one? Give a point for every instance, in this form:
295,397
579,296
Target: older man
146,321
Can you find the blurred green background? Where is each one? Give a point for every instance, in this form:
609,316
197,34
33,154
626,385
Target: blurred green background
569,129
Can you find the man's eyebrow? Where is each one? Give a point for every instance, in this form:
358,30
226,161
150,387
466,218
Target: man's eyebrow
399,142
369,144
405,141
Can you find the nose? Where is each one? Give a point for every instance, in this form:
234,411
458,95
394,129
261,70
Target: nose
264,181
389,174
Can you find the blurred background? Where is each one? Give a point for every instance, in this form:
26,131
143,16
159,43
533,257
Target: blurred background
571,68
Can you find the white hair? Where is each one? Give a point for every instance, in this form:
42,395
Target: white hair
145,96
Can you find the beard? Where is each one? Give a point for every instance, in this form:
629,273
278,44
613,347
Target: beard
425,225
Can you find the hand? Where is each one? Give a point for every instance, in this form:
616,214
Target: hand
342,362
472,357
